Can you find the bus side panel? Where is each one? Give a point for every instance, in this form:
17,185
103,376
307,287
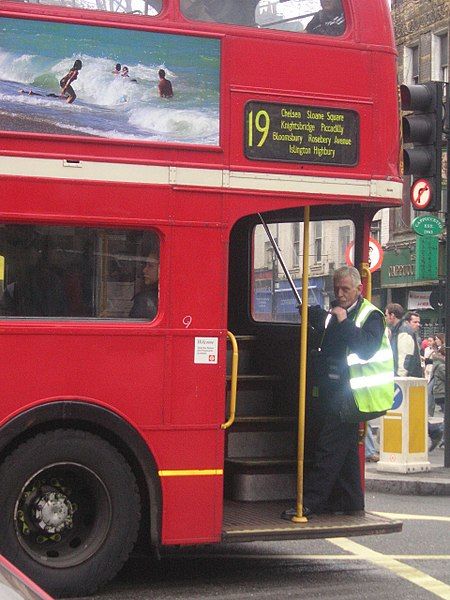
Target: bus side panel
197,389
192,510
197,282
41,362
192,483
298,84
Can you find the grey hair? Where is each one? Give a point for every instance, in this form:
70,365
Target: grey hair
346,271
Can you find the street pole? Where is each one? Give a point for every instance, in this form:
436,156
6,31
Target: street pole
447,295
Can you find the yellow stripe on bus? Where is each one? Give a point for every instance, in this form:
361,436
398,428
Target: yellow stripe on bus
190,473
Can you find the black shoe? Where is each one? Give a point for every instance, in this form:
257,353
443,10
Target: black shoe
435,440
292,512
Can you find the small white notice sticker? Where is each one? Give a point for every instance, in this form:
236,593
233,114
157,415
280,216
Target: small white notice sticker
206,350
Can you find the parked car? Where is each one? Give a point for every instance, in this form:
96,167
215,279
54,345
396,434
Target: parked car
14,585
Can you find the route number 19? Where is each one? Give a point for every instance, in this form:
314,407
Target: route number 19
260,123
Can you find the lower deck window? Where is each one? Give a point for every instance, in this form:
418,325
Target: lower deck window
74,272
330,243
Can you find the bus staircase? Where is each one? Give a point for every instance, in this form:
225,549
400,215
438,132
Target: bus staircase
261,466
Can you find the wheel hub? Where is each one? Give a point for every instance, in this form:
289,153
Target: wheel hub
54,512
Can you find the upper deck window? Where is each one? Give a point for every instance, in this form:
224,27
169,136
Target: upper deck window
134,7
319,17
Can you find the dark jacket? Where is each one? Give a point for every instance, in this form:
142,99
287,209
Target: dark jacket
438,377
323,24
145,303
329,371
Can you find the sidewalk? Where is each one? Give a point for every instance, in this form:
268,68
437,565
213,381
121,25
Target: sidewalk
435,482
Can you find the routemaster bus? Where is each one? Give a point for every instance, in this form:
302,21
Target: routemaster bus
151,358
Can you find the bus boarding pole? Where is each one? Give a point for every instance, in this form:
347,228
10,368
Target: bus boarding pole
298,517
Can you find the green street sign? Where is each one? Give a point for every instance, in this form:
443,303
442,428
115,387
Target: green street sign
427,254
427,225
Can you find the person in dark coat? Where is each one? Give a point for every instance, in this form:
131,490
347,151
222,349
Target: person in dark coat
333,481
328,21
145,303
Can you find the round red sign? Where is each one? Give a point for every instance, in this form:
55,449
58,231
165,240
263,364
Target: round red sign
421,194
375,255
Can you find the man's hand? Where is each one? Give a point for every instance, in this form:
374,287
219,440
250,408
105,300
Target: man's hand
339,313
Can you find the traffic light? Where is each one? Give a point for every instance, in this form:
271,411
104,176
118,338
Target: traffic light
423,129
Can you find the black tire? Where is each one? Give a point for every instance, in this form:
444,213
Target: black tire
70,511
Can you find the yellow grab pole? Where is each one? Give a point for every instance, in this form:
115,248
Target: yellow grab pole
367,274
298,517
234,377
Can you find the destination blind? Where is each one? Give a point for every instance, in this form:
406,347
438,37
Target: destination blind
303,134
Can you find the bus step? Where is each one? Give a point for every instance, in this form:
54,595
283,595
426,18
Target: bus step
246,347
266,422
248,381
280,442
256,479
255,402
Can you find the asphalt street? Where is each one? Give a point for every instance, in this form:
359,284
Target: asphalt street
413,564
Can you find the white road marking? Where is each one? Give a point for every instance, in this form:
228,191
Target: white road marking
426,582
406,517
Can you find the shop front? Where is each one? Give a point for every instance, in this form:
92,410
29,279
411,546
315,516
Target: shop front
409,275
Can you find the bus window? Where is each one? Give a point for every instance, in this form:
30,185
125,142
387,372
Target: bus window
135,7
74,272
272,297
319,17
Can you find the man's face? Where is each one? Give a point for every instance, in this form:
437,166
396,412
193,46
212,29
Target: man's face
346,292
151,270
390,318
414,322
331,6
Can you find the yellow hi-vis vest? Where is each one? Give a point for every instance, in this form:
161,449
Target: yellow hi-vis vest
372,380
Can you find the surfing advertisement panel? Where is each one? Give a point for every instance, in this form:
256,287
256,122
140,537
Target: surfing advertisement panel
81,80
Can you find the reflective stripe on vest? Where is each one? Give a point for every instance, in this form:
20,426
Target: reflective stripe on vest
372,380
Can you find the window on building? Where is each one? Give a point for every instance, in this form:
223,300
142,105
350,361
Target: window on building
75,272
415,64
343,242
295,244
375,230
289,15
439,57
317,241
411,64
133,7
443,39
268,255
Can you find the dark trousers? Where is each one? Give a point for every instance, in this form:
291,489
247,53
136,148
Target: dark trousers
332,482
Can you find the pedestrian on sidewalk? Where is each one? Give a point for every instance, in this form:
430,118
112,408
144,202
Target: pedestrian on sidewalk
405,346
370,449
438,377
435,433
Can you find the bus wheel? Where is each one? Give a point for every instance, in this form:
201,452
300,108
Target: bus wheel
70,511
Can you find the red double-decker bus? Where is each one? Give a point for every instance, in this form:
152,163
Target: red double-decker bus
142,142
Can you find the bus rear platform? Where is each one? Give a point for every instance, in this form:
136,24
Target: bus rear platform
253,521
